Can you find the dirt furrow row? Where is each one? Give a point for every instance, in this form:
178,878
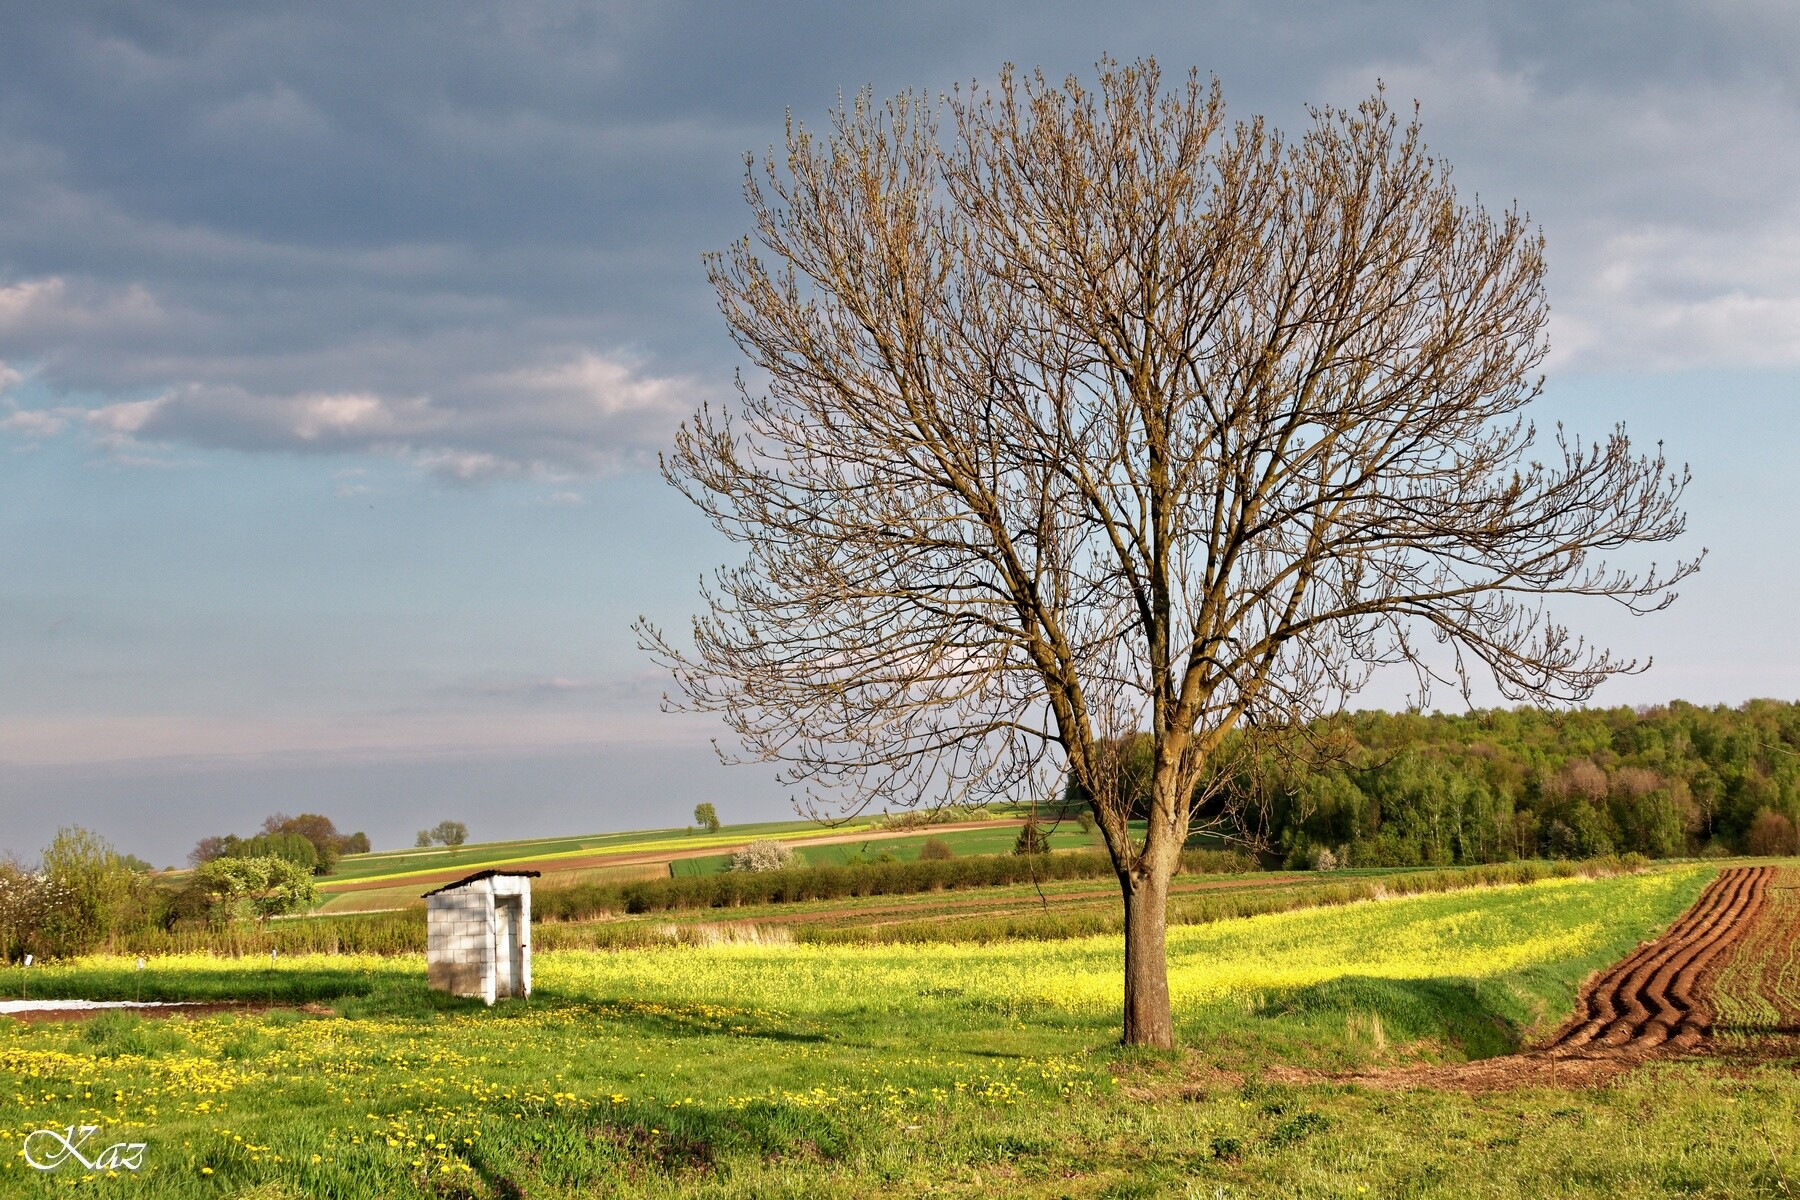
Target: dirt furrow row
1655,994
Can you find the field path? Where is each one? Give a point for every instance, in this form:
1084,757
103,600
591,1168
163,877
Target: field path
931,905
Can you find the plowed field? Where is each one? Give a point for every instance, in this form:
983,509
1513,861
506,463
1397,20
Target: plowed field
1659,994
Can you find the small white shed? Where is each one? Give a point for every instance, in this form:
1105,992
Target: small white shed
478,935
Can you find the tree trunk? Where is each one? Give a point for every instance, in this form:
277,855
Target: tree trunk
1149,1021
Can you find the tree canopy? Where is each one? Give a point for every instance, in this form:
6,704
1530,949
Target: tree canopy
1087,413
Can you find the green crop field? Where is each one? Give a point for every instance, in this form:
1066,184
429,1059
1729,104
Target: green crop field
959,1069
394,864
997,840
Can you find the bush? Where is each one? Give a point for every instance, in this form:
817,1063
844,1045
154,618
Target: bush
86,888
1032,839
921,818
1320,858
1770,833
22,898
935,850
252,888
764,854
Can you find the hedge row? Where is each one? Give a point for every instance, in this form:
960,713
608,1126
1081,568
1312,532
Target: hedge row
372,933
737,888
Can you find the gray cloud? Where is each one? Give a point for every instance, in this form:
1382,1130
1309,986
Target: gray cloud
582,414
470,236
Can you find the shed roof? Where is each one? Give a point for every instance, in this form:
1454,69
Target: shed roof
488,874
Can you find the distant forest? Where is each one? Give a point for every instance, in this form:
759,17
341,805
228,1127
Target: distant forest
1400,789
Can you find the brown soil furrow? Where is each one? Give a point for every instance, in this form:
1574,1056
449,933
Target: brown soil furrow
1609,998
1617,1000
1685,989
1649,1013
1654,996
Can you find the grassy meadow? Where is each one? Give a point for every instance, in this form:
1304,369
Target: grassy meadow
943,1069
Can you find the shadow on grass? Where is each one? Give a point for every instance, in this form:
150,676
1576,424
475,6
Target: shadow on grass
1479,1021
526,1147
275,985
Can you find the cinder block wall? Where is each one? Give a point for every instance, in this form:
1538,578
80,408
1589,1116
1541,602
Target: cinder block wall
460,941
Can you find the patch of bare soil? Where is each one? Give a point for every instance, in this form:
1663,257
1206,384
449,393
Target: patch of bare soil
207,1008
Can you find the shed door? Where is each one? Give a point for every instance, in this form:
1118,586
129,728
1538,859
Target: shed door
509,955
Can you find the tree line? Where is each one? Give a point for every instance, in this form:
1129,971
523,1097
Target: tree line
1403,789
309,840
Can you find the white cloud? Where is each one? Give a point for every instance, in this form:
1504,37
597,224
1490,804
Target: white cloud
33,423
51,309
1672,298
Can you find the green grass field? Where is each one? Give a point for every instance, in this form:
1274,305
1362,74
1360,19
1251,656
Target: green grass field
974,1070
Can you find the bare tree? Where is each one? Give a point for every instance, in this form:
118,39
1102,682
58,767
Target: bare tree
1088,415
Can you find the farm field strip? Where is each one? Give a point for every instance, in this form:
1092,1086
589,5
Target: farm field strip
387,897
651,851
1756,989
1652,996
415,861
961,901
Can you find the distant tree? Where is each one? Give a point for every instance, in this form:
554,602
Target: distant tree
357,843
209,848
424,838
1032,839
253,888
289,847
706,817
935,849
135,865
319,830
450,833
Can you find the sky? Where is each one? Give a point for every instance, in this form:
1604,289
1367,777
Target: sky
337,343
